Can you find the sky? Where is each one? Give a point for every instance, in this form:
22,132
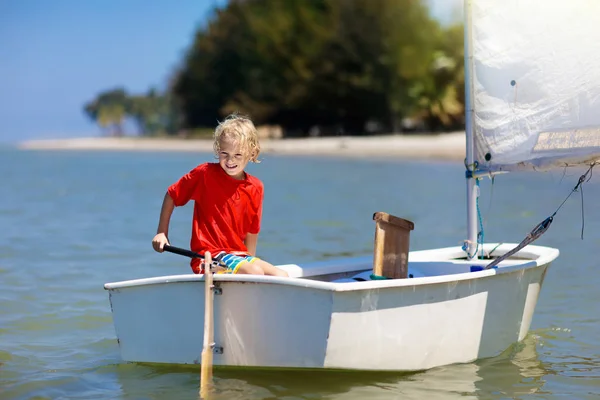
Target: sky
56,55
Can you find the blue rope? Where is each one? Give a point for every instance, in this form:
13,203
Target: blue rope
469,175
480,233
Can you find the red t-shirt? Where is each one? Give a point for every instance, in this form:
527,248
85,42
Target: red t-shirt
225,209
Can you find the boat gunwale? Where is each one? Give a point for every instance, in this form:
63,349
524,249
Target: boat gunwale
545,256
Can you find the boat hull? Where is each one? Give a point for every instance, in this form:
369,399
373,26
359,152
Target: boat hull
448,315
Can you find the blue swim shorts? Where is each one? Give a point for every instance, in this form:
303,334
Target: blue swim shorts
233,262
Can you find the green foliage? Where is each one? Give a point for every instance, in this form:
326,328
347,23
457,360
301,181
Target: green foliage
345,66
342,64
108,110
152,113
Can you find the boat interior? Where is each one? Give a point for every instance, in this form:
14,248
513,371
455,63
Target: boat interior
392,260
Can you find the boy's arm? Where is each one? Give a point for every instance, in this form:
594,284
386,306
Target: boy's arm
162,232
250,242
252,238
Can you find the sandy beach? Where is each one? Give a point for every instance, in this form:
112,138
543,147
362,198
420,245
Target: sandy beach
447,146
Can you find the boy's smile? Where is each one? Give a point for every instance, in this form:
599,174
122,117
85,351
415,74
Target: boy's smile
232,158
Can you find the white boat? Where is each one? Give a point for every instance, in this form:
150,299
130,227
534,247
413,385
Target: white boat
532,95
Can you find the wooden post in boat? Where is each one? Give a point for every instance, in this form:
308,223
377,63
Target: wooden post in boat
207,348
392,239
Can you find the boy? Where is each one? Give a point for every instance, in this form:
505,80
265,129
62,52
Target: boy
227,203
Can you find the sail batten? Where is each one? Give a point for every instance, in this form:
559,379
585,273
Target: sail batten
536,83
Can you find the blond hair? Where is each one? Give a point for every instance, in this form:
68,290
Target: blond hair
240,129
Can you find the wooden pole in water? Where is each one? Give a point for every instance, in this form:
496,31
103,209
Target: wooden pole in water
207,349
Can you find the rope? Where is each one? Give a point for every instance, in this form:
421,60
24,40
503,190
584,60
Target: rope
543,226
469,174
531,236
480,233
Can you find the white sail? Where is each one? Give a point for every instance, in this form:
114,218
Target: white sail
535,71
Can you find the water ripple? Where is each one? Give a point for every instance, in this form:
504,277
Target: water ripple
65,235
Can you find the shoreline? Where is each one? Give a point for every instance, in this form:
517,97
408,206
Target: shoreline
444,147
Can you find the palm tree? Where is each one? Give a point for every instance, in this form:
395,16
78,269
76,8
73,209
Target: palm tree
108,110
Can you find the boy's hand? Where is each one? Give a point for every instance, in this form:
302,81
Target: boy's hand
159,241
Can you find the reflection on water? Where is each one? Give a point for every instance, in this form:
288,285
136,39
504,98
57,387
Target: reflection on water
515,373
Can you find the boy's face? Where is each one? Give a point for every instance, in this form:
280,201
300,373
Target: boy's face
232,158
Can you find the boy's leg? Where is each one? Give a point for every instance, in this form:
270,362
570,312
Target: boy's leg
268,269
251,268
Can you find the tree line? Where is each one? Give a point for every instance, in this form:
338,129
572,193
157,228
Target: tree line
313,67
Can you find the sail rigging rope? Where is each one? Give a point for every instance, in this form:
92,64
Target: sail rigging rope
543,226
469,174
480,233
